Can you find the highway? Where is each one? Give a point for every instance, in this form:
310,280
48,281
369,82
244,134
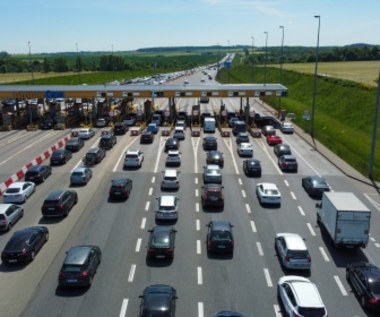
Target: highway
205,284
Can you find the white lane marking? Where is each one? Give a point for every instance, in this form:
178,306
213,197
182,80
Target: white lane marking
262,145
199,247
286,182
340,285
324,254
195,144
196,192
199,275
196,207
228,143
277,310
198,224
253,226
153,179
259,248
248,208
372,201
196,180
150,191
147,205
143,222
138,245
301,210
124,306
267,277
377,245
160,149
240,181
243,193
372,239
132,273
293,196
312,232
200,309
122,155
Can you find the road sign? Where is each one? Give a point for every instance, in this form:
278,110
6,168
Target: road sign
53,94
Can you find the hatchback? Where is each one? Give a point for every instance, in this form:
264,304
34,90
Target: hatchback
274,139
245,149
9,215
18,192
171,144
252,167
287,127
212,195
212,174
94,156
158,300
107,141
167,207
215,157
268,130
80,176
220,237
59,203
60,156
282,149
210,143
80,266
37,173
173,158
288,163
74,144
161,242
242,137
170,179
147,137
315,185
121,188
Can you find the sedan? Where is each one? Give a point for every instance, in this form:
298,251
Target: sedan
60,156
274,139
74,144
9,215
245,149
268,193
161,242
212,195
25,244
18,192
252,167
242,137
158,300
215,157
315,186
80,176
364,279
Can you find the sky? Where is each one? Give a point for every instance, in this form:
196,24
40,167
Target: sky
45,26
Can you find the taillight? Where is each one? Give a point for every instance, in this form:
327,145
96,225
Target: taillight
61,274
84,274
61,206
373,300
309,258
287,258
295,314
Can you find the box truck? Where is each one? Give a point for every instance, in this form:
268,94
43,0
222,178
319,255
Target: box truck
344,218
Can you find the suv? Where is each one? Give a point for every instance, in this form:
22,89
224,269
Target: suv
167,207
282,149
60,156
37,173
288,163
300,297
212,195
59,203
171,144
94,155
107,141
120,188
220,237
133,158
79,266
210,143
173,158
120,128
74,144
212,174
147,137
292,251
170,180
9,215
242,137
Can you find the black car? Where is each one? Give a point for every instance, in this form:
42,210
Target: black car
147,137
158,300
47,124
107,141
282,149
288,163
94,156
252,167
210,143
171,144
24,244
242,137
219,237
37,173
228,313
74,144
120,128
120,188
59,203
60,156
79,266
215,157
161,242
315,186
364,278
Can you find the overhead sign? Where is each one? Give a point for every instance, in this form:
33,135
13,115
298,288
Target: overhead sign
51,94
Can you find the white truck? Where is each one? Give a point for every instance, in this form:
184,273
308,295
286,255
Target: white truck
209,124
344,218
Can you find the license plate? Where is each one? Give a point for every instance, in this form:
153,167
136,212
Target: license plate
12,260
221,246
31,177
160,256
52,209
72,280
117,193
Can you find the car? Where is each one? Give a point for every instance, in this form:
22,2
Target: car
158,300
173,158
120,128
215,157
153,127
18,192
292,251
268,193
212,195
101,122
274,139
210,143
179,133
79,266
220,237
130,119
167,207
47,124
288,163
242,137
245,149
146,137
161,243
228,313
94,156
107,141
231,121
86,133
80,176
133,158
9,215
59,202
74,144
212,174
181,123
300,297
268,130
170,179
38,173
286,127
171,144
60,156
252,167
185,82
121,188
282,149
24,245
315,185
364,279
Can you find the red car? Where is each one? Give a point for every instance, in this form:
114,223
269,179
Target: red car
274,139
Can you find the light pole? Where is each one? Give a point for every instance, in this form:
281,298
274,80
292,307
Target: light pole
266,57
113,70
253,44
281,72
229,60
78,63
30,60
315,80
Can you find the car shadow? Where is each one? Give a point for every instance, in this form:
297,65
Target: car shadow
220,256
50,221
169,222
13,267
154,262
70,292
212,209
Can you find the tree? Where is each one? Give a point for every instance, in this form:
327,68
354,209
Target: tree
60,65
46,65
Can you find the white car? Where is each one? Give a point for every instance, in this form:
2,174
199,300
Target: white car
133,158
101,123
212,174
245,149
173,158
86,133
300,297
287,127
167,207
268,193
18,192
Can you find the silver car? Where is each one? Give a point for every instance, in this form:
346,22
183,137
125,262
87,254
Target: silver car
173,158
9,215
167,207
18,192
80,176
212,174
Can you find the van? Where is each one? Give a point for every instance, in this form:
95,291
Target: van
209,125
170,179
153,127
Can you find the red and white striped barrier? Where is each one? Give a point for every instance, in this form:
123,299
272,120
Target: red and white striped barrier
38,160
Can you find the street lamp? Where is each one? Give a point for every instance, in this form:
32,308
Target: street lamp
30,60
229,64
253,44
113,69
78,62
266,57
315,79
281,72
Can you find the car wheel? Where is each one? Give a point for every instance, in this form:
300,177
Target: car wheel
42,179
32,255
22,213
46,237
9,226
362,301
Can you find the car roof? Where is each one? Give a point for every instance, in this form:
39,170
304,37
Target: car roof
268,185
120,180
93,150
158,288
77,255
35,167
253,162
173,152
4,207
170,173
133,151
245,144
162,230
17,184
167,200
293,241
212,167
55,194
79,169
221,225
289,157
307,294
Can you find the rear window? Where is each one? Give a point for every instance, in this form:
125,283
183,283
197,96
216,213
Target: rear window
131,156
271,192
170,178
72,268
51,202
12,190
311,312
298,254
221,235
77,173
